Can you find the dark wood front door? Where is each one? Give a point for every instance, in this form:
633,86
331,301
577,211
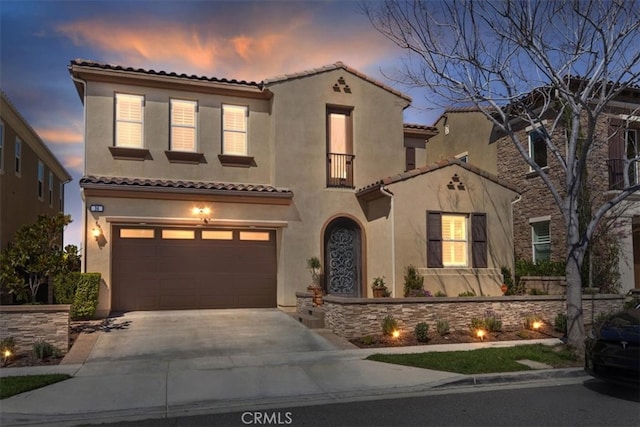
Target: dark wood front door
156,268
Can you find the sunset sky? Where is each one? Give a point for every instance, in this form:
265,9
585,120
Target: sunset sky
245,40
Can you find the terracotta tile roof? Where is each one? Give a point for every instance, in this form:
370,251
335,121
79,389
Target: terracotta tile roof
113,181
422,129
103,66
430,168
336,66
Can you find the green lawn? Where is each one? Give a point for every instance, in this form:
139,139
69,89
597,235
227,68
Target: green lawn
10,386
485,360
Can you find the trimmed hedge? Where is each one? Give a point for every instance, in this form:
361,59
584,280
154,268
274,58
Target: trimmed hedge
81,291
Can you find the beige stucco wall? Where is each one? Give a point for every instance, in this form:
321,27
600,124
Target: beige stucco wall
100,130
468,132
299,133
415,196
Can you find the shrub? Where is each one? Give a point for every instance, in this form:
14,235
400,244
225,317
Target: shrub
389,324
560,323
412,280
42,350
440,294
9,344
467,294
81,291
476,323
422,332
530,320
367,340
419,293
442,326
535,291
493,324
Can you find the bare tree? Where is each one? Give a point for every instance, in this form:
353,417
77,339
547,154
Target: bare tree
548,64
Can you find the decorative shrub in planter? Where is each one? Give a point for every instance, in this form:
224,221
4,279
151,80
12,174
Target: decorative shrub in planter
379,288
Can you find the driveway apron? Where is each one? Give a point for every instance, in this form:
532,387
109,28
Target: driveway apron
165,336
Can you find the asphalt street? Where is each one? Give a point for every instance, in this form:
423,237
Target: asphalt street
574,402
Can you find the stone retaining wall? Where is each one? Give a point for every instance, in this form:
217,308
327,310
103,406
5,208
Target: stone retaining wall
30,323
357,317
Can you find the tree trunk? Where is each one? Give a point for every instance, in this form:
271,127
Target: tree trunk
575,318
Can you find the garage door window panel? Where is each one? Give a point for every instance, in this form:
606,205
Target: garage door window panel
137,233
255,236
217,235
178,234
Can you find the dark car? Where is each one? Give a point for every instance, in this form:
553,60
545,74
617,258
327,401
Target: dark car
613,353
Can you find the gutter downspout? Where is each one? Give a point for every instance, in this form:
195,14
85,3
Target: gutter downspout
391,216
84,166
513,259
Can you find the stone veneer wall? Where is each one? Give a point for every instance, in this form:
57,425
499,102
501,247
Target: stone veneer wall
30,323
357,317
304,301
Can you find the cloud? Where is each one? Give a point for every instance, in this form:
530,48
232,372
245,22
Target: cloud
73,162
259,49
58,136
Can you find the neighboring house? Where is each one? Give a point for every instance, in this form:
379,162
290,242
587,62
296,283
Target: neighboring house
212,193
31,178
538,225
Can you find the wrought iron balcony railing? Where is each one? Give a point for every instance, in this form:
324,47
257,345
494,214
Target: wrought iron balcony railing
340,170
617,172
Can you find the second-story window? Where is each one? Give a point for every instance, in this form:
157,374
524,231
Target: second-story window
234,130
61,195
40,180
183,125
538,148
129,120
50,189
339,147
18,161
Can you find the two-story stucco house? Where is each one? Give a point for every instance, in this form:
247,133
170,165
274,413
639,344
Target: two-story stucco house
538,226
206,192
31,178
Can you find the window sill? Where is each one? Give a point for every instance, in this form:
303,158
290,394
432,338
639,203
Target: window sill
126,153
185,157
237,161
533,173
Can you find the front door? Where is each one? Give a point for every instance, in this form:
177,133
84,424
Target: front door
343,258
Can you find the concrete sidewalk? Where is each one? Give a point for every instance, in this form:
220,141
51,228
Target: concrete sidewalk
108,391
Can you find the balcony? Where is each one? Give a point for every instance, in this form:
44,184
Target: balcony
340,170
617,171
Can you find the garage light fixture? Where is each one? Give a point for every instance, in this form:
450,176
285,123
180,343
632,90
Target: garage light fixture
203,213
96,231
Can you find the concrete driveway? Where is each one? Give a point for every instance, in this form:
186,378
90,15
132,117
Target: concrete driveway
189,334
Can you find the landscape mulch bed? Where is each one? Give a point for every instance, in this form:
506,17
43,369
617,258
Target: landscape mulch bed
454,337
75,329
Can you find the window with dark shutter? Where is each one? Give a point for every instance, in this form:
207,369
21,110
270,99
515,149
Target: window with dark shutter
479,238
410,158
434,239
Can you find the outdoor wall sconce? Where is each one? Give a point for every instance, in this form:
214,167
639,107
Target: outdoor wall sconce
96,231
203,213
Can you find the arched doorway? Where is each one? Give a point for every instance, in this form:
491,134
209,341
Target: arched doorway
343,257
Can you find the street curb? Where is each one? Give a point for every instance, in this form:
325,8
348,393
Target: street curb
514,377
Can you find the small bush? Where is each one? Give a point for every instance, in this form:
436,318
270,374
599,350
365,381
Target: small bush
530,320
440,294
419,293
442,326
422,332
493,324
64,287
42,350
412,280
367,340
476,323
560,323
389,324
85,300
467,294
7,344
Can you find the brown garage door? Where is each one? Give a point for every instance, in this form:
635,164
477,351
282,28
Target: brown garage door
156,268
